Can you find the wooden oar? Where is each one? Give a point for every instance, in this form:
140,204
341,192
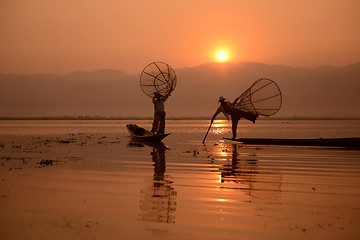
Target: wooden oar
207,132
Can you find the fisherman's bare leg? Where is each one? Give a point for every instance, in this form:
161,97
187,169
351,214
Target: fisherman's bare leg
247,115
156,122
153,124
235,121
161,129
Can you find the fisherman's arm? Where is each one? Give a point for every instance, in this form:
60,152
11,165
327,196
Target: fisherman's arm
236,99
166,97
219,110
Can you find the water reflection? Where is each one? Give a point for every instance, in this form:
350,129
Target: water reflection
239,171
158,200
259,180
221,127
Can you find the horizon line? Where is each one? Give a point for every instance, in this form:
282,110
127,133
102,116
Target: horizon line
179,68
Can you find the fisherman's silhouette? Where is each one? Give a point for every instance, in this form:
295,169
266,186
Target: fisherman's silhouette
158,125
229,109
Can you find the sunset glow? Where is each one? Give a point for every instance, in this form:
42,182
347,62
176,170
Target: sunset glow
222,56
37,38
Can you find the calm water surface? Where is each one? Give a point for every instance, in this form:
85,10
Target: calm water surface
220,128
221,190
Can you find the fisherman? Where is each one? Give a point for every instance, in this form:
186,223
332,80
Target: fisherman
229,109
159,113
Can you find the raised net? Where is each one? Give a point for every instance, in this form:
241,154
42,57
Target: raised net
158,77
262,98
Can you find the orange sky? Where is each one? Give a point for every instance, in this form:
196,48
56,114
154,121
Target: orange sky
51,36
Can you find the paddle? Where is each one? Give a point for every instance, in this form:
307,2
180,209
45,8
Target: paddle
203,141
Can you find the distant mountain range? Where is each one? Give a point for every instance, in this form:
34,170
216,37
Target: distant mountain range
326,91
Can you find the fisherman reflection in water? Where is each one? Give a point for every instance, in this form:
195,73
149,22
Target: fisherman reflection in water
159,113
158,201
239,171
228,108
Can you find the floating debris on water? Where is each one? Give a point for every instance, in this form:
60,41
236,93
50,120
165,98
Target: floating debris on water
46,162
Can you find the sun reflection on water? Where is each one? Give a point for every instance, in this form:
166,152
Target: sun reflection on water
223,151
219,178
221,126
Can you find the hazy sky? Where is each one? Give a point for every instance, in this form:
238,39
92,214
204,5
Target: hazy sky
62,36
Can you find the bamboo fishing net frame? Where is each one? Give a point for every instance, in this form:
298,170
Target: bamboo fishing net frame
158,77
263,97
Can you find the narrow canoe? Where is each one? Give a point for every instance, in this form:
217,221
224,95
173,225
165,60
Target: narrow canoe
330,142
142,134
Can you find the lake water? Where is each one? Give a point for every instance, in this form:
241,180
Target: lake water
105,186
192,128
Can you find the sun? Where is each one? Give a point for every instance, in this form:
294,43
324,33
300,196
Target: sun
222,56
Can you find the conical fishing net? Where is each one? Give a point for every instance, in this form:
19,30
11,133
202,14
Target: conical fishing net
262,98
158,77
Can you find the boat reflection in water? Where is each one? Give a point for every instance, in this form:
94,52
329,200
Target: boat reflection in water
258,179
158,200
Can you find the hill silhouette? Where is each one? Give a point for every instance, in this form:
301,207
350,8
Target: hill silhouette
326,91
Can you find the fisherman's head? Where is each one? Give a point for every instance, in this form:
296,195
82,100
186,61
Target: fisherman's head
221,99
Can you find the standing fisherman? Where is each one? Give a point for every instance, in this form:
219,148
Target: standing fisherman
159,113
228,108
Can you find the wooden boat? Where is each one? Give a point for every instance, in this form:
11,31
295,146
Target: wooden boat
329,142
141,134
